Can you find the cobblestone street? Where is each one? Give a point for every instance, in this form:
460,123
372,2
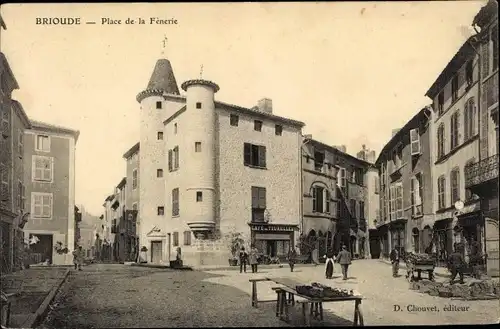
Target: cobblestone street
114,296
122,296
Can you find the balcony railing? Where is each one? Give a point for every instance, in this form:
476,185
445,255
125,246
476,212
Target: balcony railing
482,171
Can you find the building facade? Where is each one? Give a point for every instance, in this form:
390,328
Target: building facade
372,202
405,194
13,122
49,176
209,169
481,177
109,229
132,196
455,144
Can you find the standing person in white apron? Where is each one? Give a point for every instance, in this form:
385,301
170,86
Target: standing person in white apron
330,261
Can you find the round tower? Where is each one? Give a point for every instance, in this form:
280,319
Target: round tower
200,147
154,109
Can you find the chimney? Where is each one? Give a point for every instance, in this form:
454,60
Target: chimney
341,148
372,157
265,105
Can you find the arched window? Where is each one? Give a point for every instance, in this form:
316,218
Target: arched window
441,192
455,130
440,141
468,164
455,185
469,119
416,239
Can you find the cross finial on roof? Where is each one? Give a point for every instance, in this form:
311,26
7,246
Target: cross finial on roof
201,71
164,41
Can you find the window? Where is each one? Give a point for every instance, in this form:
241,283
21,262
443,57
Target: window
319,160
440,141
441,192
258,203
20,143
468,193
42,168
158,105
469,119
197,146
199,196
414,141
361,210
278,130
159,135
159,173
134,179
376,185
454,88
4,183
321,199
440,103
494,41
175,202
42,143
257,125
42,205
175,128
198,105
233,120
469,73
396,157
160,211
173,159
358,176
21,196
416,194
176,239
254,155
187,238
341,179
455,185
396,201
455,132
352,208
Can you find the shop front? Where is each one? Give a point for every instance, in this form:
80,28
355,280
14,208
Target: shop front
273,240
398,236
443,240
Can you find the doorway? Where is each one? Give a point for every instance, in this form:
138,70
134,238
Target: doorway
43,247
156,252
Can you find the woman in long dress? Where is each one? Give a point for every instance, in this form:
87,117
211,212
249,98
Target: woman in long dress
330,258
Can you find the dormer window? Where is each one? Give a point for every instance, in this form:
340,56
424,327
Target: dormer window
319,160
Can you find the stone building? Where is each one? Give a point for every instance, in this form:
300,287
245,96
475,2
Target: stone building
404,165
225,169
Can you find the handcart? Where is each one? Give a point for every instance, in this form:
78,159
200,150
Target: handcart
419,267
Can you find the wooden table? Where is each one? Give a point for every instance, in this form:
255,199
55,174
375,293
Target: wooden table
316,304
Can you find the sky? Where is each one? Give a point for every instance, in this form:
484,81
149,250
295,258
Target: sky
351,71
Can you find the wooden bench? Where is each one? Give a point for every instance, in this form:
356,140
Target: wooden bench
282,302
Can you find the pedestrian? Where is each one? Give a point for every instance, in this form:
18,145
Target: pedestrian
344,259
292,257
394,256
253,258
330,259
78,258
243,260
456,265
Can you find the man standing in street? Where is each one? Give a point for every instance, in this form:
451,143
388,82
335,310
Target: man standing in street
344,259
243,260
394,256
456,264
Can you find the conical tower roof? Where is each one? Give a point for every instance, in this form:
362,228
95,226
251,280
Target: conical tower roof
163,78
